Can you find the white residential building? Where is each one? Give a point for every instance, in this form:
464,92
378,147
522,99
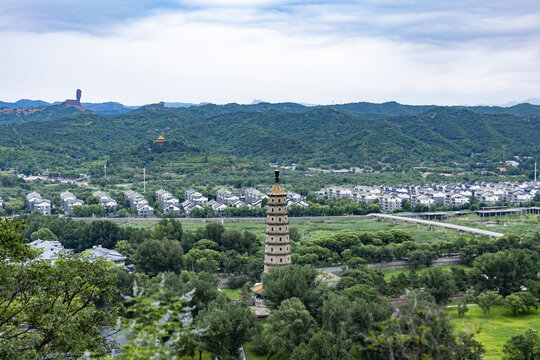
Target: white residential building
145,211
189,206
217,208
254,197
224,196
106,200
389,203
138,202
195,197
49,250
111,255
35,202
68,201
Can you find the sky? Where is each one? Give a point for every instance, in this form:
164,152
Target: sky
315,52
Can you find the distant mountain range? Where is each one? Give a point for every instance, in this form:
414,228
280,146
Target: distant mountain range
356,134
105,108
388,108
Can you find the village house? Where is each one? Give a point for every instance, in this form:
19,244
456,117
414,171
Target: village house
110,255
68,201
49,250
106,200
35,202
139,203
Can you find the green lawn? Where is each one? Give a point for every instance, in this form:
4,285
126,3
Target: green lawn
497,328
389,273
232,294
251,354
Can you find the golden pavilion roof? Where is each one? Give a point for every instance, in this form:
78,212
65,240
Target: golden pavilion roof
257,289
277,189
160,139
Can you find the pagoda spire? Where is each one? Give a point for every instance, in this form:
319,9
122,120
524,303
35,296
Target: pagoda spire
277,250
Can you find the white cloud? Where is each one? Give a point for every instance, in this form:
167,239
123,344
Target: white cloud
313,54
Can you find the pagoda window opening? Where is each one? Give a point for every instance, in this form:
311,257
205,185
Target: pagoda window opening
279,249
280,260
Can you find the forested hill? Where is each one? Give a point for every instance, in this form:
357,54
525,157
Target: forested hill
311,136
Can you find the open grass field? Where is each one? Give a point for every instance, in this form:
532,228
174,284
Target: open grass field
251,354
512,224
389,273
313,229
496,329
232,294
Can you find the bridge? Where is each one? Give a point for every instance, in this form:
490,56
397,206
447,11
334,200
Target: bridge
487,212
433,224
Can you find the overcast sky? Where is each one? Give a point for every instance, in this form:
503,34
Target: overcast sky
318,52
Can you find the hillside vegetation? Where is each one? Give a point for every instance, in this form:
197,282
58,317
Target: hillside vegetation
222,135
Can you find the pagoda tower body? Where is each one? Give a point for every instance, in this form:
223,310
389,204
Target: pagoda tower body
277,250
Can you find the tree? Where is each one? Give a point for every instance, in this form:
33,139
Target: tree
14,206
124,248
150,257
285,282
225,327
487,299
92,200
214,232
50,310
205,286
421,257
231,240
335,312
203,260
467,348
288,326
159,329
525,346
324,345
528,299
439,283
514,303
462,307
505,271
294,234
168,229
174,260
418,330
43,234
88,210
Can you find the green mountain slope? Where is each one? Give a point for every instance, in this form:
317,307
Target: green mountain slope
312,137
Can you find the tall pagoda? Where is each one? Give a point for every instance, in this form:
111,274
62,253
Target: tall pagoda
277,250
